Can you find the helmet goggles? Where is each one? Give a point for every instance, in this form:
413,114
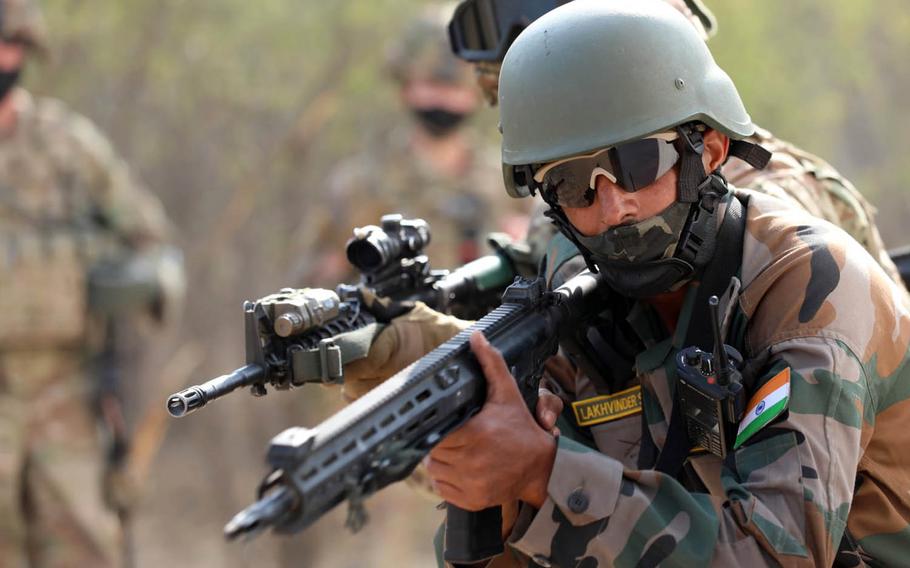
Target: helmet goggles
483,30
632,166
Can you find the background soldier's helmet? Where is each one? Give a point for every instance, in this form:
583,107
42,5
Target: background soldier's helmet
22,21
565,91
481,30
423,51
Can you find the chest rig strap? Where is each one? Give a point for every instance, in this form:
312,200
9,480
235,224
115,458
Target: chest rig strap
724,266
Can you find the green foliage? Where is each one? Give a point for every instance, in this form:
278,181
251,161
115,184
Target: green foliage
831,77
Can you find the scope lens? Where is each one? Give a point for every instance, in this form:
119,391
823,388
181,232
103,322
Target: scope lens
372,253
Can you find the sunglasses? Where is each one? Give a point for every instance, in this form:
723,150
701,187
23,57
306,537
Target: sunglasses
631,166
483,30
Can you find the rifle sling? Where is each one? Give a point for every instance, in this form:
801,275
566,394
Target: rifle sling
325,362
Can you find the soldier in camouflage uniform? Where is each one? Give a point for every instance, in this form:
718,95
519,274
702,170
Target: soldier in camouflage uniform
68,208
430,168
793,175
812,477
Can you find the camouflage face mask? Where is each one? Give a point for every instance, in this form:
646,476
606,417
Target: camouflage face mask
652,239
637,260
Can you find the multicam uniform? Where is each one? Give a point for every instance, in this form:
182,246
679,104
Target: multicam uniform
813,309
391,178
810,183
66,202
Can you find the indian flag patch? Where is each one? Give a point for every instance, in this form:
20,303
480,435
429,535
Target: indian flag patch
764,406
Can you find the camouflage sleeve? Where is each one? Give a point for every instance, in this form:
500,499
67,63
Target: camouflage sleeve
786,492
129,214
128,208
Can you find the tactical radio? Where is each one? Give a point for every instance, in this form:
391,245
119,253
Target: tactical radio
710,391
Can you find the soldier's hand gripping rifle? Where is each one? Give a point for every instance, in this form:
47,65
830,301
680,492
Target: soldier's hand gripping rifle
381,437
300,336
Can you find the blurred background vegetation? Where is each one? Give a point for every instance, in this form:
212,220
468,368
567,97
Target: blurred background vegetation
234,113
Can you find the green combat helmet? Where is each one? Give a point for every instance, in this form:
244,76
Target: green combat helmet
22,21
481,31
553,106
592,75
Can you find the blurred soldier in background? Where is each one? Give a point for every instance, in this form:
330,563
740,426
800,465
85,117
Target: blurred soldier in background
481,32
81,251
430,167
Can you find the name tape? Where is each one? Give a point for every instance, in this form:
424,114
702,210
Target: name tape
601,409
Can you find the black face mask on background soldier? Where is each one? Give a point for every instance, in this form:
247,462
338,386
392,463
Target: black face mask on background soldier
439,122
8,80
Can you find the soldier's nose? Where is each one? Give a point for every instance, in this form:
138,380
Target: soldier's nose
616,206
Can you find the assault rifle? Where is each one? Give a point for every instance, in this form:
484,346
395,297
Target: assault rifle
306,335
381,437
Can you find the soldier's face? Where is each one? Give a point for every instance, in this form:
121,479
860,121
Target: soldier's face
12,55
614,206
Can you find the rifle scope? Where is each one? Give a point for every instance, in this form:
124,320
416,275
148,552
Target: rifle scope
373,248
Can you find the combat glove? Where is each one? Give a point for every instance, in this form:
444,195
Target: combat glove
402,341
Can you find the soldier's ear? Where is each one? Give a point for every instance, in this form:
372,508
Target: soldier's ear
717,146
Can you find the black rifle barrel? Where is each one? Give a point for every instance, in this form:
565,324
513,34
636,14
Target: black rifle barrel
195,397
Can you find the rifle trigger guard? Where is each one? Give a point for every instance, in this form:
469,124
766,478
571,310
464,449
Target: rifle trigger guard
330,361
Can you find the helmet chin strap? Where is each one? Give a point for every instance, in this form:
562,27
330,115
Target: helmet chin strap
691,148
